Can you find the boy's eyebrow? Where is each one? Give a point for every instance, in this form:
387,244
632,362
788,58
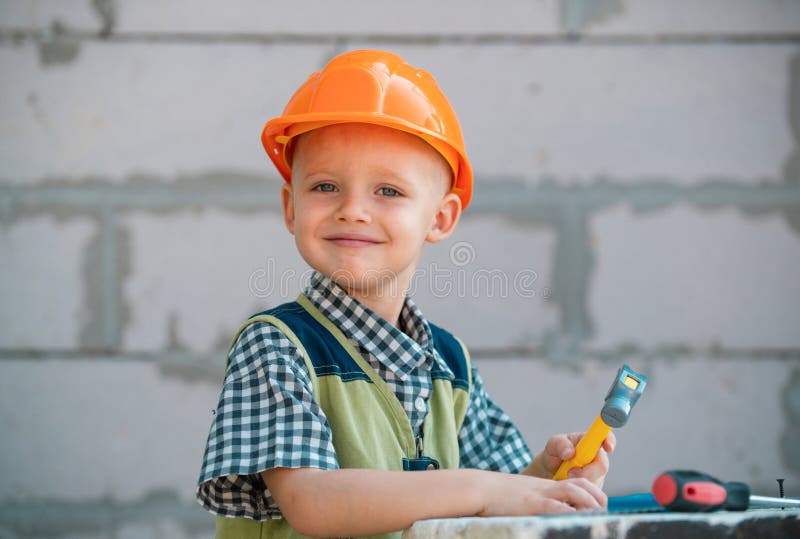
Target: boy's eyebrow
381,172
385,172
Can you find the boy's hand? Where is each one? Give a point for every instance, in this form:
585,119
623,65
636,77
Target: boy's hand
561,447
515,494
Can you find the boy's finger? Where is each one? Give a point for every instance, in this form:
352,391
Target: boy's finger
575,437
566,449
610,442
595,471
560,447
583,494
592,472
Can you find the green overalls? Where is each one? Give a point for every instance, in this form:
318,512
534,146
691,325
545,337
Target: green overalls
370,428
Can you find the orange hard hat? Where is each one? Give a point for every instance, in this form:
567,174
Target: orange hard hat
375,87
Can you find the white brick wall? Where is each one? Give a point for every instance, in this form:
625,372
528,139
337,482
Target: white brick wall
495,283
40,14
310,17
574,114
42,283
93,429
698,278
351,16
692,17
141,108
415,17
197,276
687,113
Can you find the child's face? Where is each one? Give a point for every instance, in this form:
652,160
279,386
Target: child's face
363,201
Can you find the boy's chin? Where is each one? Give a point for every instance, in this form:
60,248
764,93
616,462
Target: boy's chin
369,283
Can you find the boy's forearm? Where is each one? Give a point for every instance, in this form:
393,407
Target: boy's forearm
365,502
536,468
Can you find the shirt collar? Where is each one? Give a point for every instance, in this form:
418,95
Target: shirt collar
400,349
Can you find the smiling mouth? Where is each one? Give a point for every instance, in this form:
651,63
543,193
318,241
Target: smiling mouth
352,240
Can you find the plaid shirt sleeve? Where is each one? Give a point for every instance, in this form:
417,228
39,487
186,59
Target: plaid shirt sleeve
266,418
489,440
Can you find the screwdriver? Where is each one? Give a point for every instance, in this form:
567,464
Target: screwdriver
692,491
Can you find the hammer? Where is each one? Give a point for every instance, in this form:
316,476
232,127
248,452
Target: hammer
626,389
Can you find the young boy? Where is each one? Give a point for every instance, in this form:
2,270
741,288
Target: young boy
346,413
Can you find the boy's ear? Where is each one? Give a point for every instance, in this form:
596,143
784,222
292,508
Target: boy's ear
446,218
288,206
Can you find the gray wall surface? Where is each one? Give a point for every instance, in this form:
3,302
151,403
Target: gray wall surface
637,200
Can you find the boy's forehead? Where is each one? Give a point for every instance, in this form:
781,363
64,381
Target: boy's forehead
352,138
361,132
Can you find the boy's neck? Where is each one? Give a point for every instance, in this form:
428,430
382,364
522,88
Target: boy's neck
386,304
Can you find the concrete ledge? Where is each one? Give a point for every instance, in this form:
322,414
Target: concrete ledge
761,524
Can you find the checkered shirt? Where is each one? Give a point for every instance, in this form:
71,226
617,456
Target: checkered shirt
267,416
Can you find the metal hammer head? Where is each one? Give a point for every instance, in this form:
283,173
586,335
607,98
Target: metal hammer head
625,391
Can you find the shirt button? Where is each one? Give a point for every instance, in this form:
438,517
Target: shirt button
419,404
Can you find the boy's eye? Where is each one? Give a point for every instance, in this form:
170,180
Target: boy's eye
389,192
325,187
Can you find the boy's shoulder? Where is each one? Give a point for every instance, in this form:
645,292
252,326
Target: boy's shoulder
286,323
260,340
453,352
289,308
317,338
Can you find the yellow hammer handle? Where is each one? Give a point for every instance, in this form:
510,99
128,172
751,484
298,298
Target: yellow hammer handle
586,449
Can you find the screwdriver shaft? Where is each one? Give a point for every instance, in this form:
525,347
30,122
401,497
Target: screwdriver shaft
771,502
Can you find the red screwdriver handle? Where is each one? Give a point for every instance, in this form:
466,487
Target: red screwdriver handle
691,491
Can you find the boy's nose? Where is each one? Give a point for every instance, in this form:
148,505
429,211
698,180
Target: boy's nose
353,208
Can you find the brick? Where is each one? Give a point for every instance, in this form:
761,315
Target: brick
42,285
651,17
695,413
683,113
196,277
416,17
100,428
346,17
76,535
121,109
40,15
490,295
687,277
